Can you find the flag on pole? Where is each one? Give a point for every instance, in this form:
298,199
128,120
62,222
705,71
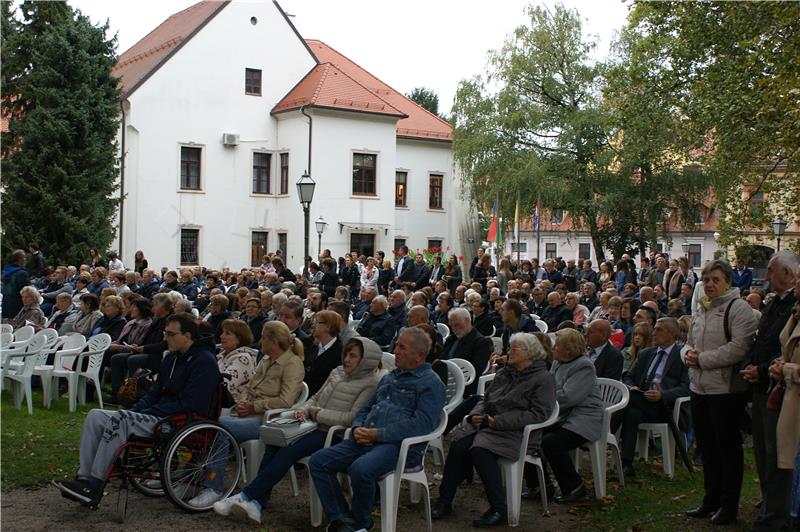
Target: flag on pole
492,236
516,221
536,219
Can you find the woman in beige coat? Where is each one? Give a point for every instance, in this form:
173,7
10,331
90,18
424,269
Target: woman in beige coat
787,369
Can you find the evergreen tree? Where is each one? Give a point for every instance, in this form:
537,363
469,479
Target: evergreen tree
426,98
59,155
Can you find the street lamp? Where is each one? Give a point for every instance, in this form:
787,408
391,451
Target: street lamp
321,223
779,228
305,191
685,248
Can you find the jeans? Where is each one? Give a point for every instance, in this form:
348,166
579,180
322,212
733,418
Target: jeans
276,463
242,429
365,465
458,468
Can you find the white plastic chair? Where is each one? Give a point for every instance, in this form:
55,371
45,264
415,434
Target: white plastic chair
513,470
497,343
22,336
615,396
483,383
390,484
5,340
541,325
443,329
353,324
20,375
68,348
494,331
455,395
662,431
97,347
254,449
62,367
467,369
6,328
387,361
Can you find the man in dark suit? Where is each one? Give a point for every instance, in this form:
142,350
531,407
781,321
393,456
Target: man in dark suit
467,343
657,380
606,358
405,268
422,272
292,315
555,312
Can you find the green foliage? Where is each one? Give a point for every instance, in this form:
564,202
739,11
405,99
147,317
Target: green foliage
735,66
427,98
59,155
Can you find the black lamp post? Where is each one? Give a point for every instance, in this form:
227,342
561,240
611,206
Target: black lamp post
685,248
305,191
779,228
320,223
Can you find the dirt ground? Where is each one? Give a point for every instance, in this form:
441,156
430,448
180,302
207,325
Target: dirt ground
44,509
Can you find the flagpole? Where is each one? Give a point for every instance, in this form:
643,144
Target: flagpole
516,216
538,232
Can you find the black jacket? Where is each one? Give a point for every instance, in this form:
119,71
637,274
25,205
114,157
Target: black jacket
309,351
379,329
256,326
484,324
767,346
319,370
408,271
112,327
149,290
674,380
329,283
422,275
215,321
608,363
525,324
554,316
474,348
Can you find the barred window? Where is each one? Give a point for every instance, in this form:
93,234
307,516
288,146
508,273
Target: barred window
252,81
190,247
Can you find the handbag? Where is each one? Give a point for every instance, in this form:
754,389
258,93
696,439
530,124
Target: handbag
282,432
775,397
135,387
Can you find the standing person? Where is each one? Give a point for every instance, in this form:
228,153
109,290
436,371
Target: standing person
719,340
504,275
570,275
36,268
408,402
114,262
15,277
95,260
452,274
437,270
139,263
742,276
775,483
404,271
475,260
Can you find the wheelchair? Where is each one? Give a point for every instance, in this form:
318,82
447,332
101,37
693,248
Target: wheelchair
184,453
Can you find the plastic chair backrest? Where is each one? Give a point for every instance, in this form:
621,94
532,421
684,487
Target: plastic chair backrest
615,397
73,341
99,342
494,331
387,361
303,397
467,369
455,385
542,326
443,329
6,328
23,333
551,420
5,339
483,383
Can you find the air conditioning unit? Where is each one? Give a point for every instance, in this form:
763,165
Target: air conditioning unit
230,139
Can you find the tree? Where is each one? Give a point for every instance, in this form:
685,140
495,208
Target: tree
735,79
59,155
426,98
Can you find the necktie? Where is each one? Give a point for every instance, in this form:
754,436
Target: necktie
654,369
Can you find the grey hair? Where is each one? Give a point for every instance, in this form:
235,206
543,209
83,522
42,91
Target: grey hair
474,296
460,313
671,324
382,301
33,292
63,296
495,290
279,298
184,305
786,259
420,339
532,345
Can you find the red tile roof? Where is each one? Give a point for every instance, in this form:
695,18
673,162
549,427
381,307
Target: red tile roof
143,58
328,87
419,124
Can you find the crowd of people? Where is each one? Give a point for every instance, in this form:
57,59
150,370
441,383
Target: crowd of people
663,329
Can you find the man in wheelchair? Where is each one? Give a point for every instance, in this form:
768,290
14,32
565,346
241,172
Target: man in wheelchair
188,377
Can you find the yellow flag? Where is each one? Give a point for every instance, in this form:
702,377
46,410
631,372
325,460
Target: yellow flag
516,220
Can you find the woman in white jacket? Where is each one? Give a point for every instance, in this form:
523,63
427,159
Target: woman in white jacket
719,340
347,389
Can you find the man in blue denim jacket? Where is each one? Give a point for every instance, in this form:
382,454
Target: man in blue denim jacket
408,402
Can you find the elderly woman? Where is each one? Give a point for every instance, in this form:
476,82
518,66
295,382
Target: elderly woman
581,415
30,313
522,393
113,319
88,317
99,281
254,317
580,314
277,383
719,340
236,359
786,369
345,391
186,287
82,283
326,326
217,313
641,338
601,311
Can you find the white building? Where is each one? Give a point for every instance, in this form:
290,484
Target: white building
214,139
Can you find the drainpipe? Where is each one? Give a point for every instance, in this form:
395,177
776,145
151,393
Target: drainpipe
122,182
310,127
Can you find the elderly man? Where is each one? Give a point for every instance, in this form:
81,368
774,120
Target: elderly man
538,302
467,343
606,358
378,325
408,402
63,309
775,483
556,312
589,297
657,380
551,273
398,310
366,296
188,378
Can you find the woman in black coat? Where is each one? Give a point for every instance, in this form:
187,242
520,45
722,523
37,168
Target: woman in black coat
255,318
482,319
452,274
385,277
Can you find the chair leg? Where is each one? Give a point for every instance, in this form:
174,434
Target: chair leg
642,440
72,391
542,486
427,505
598,454
388,502
513,492
293,480
668,453
45,390
99,389
28,395
617,457
314,504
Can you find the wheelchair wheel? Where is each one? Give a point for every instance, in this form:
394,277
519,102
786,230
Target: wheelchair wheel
200,455
144,470
122,503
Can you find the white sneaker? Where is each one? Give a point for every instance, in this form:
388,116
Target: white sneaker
223,507
206,498
250,509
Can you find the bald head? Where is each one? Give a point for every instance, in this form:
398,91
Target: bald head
646,294
417,315
652,305
598,333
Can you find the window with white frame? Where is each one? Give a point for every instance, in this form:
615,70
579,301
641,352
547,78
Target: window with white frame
190,167
365,174
190,246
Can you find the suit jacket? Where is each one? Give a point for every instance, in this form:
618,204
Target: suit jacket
309,351
674,379
554,316
407,272
422,274
608,364
484,324
474,348
435,274
319,370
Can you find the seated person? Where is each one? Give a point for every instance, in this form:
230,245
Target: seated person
236,359
556,311
656,381
277,383
346,390
327,355
607,359
514,321
409,401
188,378
378,325
522,393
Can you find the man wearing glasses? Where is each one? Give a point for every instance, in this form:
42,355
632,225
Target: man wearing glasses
186,382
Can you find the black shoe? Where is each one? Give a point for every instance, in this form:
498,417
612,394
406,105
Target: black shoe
575,495
628,471
535,494
491,518
701,512
440,510
79,490
723,516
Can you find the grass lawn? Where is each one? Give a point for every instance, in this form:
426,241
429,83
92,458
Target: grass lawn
36,449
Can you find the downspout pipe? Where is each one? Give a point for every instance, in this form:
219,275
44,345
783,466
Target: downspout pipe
122,181
310,128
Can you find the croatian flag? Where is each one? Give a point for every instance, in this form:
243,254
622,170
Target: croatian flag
492,236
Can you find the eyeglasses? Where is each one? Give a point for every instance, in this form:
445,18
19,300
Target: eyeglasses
170,334
518,348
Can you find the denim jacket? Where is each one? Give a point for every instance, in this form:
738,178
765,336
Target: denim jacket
405,404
